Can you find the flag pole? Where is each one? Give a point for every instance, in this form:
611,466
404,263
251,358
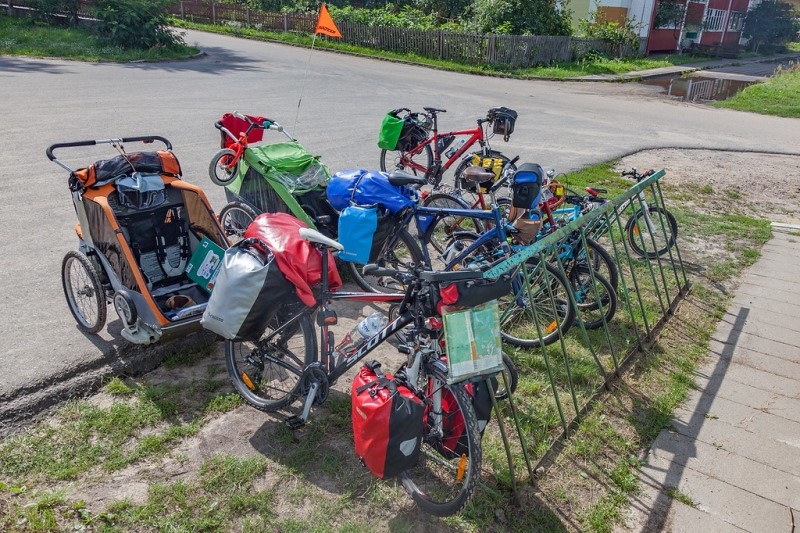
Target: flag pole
303,86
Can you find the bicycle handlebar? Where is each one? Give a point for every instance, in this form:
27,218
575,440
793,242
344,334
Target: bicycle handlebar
504,175
146,139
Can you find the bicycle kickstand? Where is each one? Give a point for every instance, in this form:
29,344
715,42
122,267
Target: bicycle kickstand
315,385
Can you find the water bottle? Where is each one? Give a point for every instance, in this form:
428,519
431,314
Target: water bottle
356,337
453,149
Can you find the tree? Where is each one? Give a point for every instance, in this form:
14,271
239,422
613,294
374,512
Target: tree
139,24
771,23
618,37
520,17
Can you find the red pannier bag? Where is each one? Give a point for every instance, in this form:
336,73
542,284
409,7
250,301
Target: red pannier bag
387,422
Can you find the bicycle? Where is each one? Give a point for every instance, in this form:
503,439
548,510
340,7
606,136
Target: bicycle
642,228
535,286
285,364
224,166
420,152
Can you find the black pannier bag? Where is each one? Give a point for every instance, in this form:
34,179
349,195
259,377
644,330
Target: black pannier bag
411,135
249,291
387,421
503,121
527,185
472,292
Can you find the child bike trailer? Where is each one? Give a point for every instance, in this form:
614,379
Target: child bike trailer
279,177
147,241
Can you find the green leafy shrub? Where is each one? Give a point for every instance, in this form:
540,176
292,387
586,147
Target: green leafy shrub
771,24
141,24
519,17
48,9
617,36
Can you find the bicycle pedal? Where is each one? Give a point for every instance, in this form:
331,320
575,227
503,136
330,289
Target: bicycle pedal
294,422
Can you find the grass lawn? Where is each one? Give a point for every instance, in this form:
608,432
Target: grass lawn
779,96
23,37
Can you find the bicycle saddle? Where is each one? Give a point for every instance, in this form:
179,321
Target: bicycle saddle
478,174
398,177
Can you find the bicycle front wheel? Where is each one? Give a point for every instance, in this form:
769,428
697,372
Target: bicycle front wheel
222,170
541,295
601,261
267,372
597,302
399,252
642,240
444,479
446,226
234,219
416,161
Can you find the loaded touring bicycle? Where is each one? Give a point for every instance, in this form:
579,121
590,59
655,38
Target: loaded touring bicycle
147,241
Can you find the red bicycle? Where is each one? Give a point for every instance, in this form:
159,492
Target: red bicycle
420,147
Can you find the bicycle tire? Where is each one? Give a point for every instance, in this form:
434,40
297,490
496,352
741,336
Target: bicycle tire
512,378
555,316
602,262
443,481
416,162
267,375
234,218
445,227
400,252
466,162
590,312
218,169
637,233
85,295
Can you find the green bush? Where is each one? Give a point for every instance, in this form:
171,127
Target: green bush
47,9
519,17
141,24
617,36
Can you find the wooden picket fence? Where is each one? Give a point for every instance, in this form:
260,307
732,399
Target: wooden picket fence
517,51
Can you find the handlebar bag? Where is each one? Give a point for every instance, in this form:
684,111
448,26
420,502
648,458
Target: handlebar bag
387,422
249,290
367,188
527,187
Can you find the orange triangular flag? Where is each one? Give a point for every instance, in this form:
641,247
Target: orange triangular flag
325,24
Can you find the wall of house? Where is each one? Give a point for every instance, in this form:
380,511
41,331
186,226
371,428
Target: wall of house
663,40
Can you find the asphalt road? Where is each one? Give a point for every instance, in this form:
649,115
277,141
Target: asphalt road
561,125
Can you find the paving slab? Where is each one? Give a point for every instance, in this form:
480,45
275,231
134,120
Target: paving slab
745,395
780,366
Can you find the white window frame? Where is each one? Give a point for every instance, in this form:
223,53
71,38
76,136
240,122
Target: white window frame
715,20
736,21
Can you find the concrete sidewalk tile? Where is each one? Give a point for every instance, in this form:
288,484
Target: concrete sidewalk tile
759,379
726,502
771,268
742,394
777,320
757,332
757,447
787,368
764,423
751,297
717,462
769,284
767,297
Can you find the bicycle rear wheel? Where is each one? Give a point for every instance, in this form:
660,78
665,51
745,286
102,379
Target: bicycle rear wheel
444,479
641,239
234,219
540,295
601,262
84,292
267,372
446,226
399,252
416,162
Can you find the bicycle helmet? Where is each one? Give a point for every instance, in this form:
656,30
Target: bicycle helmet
139,191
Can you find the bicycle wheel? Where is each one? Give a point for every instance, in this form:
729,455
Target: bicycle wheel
416,162
446,226
594,301
234,219
637,231
400,252
532,298
85,295
444,479
466,162
511,381
266,373
218,170
601,262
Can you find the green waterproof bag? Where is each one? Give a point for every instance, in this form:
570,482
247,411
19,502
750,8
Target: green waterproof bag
390,132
